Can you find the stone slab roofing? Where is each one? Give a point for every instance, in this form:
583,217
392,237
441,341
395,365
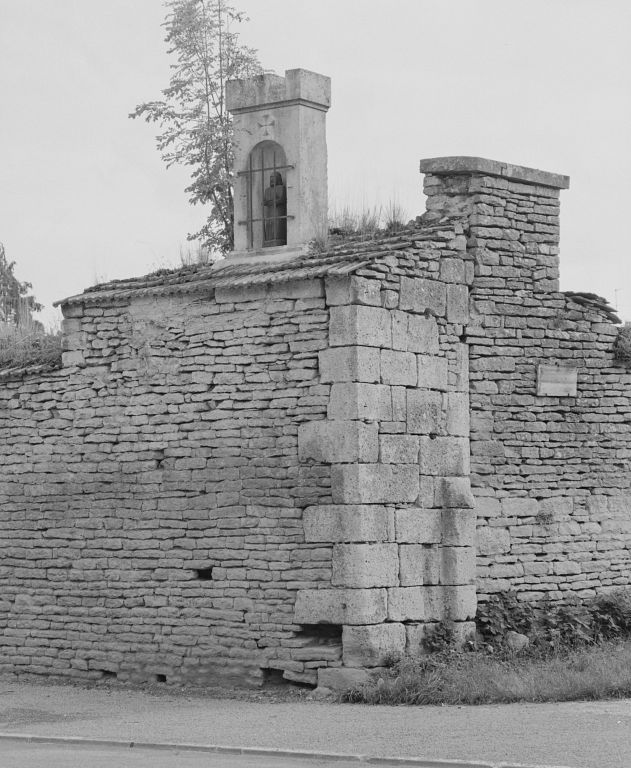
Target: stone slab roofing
342,258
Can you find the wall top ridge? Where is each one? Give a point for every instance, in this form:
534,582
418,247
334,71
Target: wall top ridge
463,164
336,259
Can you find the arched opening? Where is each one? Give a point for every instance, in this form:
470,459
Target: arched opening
267,196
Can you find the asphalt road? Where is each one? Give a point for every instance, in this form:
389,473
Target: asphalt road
14,755
575,734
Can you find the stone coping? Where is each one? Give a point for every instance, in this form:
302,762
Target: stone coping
462,164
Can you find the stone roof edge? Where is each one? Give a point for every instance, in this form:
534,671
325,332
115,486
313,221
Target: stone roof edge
19,372
463,164
344,258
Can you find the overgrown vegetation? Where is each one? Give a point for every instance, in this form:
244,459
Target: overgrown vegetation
16,305
475,677
349,222
360,224
196,127
552,626
23,346
576,650
23,340
622,348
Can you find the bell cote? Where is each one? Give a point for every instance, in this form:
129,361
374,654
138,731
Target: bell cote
280,161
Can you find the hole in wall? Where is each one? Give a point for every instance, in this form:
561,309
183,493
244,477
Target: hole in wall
107,674
433,435
324,632
161,678
274,677
204,574
462,337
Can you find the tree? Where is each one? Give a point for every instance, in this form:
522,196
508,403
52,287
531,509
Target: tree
197,128
16,306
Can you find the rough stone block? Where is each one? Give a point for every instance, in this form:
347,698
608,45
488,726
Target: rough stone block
422,335
459,527
420,294
338,441
338,290
414,636
418,526
374,483
340,679
365,291
352,290
369,402
432,372
365,326
340,606
348,523
372,646
492,541
459,369
519,507
398,367
240,293
458,414
453,270
73,358
365,565
454,603
414,333
419,564
458,304
406,604
487,507
454,493
457,565
398,449
425,414
444,456
350,364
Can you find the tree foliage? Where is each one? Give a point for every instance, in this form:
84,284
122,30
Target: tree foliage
196,128
16,306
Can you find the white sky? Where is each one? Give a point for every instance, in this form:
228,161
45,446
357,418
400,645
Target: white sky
84,194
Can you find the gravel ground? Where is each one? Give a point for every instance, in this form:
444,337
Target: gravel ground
579,735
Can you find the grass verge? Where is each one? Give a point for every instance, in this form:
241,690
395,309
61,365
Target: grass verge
594,672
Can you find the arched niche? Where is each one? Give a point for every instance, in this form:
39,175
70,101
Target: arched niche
266,186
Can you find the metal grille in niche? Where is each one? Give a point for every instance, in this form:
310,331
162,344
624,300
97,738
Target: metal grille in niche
266,187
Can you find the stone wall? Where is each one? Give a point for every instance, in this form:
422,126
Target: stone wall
271,468
151,498
223,482
551,474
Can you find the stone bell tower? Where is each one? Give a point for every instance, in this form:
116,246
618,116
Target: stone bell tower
280,154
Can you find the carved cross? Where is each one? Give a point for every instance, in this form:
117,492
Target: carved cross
269,123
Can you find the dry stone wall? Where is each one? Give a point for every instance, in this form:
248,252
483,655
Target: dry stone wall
269,477
277,469
551,474
151,498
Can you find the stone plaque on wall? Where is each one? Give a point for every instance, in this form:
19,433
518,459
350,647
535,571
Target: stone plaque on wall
557,380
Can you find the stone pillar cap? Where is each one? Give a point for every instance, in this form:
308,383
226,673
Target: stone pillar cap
461,164
262,91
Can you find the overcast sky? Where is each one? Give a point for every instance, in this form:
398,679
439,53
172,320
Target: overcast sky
84,195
